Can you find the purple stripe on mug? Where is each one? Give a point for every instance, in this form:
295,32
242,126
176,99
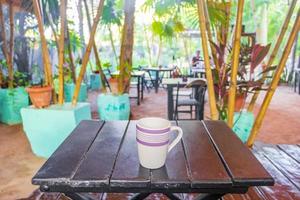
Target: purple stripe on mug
160,131
152,144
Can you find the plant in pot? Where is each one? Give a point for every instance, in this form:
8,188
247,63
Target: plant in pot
39,93
12,93
116,105
247,83
47,127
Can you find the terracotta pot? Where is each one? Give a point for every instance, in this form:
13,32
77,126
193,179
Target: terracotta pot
40,96
113,82
239,101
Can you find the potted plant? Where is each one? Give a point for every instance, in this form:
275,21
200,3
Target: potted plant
12,93
95,77
250,59
116,105
13,99
47,127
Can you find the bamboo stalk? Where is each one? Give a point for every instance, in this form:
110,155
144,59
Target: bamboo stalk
275,51
210,83
45,52
87,53
126,47
11,47
210,38
97,57
235,63
73,68
275,81
61,52
3,38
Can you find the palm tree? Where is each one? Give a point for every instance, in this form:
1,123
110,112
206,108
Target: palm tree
126,47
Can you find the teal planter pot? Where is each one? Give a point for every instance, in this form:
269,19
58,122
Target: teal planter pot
243,123
95,82
47,128
69,91
11,102
113,107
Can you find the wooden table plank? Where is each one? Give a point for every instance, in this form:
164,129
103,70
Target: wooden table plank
61,166
283,162
97,167
128,172
283,188
292,150
241,164
175,172
205,167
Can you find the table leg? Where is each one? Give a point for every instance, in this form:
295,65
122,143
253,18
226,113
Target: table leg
170,102
209,197
140,196
138,90
298,77
156,81
143,82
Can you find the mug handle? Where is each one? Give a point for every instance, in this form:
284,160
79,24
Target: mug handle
177,139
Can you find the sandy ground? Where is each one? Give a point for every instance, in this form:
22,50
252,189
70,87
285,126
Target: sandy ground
18,164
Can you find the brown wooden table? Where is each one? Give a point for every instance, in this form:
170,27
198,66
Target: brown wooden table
102,157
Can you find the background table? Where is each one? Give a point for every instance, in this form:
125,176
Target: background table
102,157
140,75
172,83
157,71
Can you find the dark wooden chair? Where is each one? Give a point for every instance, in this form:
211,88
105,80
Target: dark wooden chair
197,100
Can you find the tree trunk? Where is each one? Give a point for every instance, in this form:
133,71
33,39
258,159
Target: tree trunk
159,51
210,83
3,38
275,51
275,81
98,62
11,47
61,51
113,44
86,56
80,15
235,63
126,47
21,48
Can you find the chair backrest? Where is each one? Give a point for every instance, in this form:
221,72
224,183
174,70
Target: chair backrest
196,83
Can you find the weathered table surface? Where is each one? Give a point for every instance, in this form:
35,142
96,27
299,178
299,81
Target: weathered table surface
102,157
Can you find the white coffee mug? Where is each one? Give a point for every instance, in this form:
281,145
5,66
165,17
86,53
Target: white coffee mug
153,135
